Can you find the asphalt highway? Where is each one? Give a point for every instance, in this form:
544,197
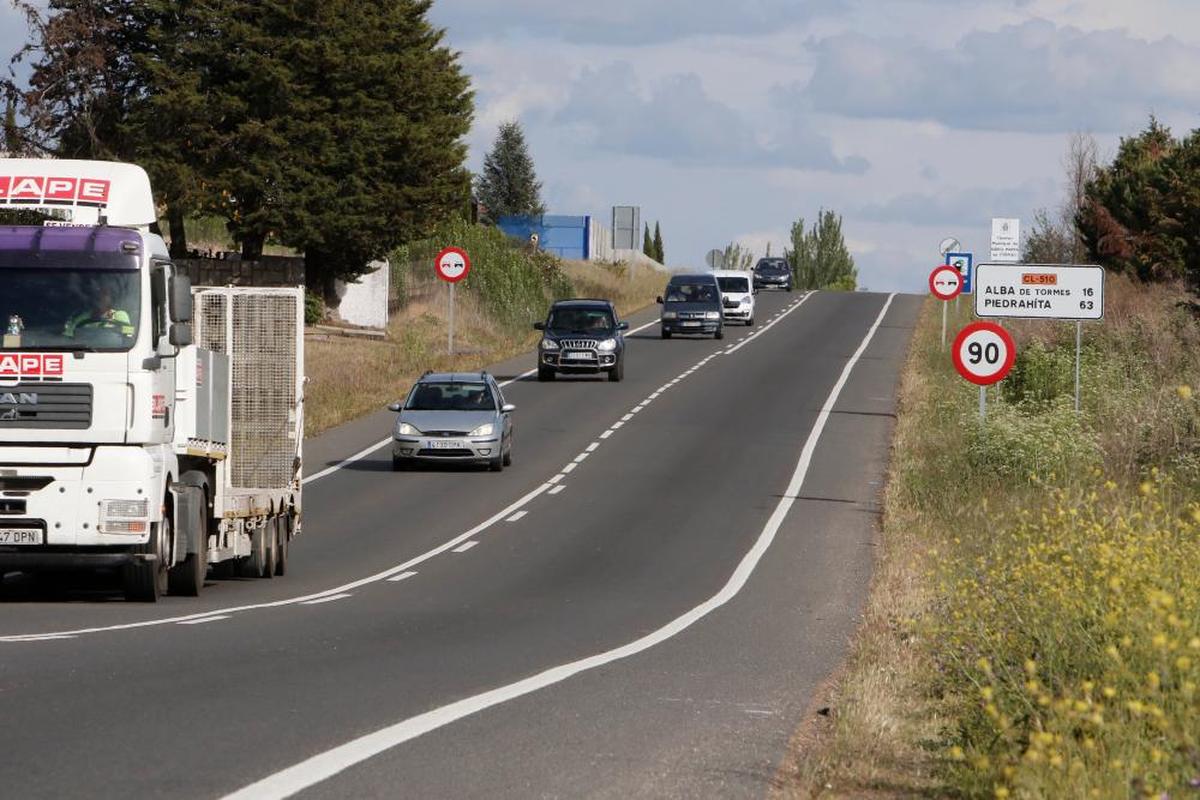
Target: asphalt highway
642,605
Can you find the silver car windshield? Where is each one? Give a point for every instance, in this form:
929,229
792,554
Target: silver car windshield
451,397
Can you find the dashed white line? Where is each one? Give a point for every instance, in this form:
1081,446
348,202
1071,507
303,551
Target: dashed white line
619,424
517,517
403,576
591,448
329,599
569,468
325,765
203,620
556,478
626,418
558,489
579,459
465,546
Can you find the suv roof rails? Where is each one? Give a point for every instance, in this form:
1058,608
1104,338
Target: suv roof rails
584,300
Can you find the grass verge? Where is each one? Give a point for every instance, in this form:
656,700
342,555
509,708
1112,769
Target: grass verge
1034,624
509,288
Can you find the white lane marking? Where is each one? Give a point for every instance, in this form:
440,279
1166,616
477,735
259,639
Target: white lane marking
607,434
617,425
47,637
323,766
591,448
558,489
626,418
204,620
769,325
465,546
579,459
361,454
329,599
517,517
556,479
403,576
569,468
525,500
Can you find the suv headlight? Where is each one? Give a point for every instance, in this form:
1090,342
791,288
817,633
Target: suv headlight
549,344
404,429
669,315
607,346
486,429
712,315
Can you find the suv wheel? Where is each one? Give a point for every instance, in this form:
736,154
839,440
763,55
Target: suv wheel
666,334
617,373
720,334
545,374
789,288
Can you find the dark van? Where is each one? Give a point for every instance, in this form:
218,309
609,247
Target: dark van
692,304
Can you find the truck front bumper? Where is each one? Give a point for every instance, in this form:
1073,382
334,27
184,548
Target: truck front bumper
32,559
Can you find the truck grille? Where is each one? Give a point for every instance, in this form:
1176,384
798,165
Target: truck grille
63,406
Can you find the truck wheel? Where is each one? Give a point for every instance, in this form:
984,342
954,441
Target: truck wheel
617,373
253,565
187,577
281,553
272,547
545,374
146,581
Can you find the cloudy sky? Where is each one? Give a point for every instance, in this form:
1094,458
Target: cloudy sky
915,119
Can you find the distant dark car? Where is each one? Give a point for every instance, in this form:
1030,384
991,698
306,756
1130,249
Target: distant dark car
773,273
582,337
692,304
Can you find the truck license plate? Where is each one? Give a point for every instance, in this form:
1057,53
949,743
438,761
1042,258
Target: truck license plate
445,444
20,536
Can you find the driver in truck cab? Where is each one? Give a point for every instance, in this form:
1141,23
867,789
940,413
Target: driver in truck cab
102,316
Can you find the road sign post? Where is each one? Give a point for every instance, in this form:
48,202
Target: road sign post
946,283
452,265
984,354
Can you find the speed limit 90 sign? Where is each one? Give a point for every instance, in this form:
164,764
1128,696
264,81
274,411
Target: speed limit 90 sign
984,353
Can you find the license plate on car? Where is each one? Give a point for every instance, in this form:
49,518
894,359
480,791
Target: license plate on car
579,357
446,444
20,536
691,324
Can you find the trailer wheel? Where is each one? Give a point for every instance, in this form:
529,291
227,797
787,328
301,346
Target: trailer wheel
254,565
187,577
283,535
146,581
272,547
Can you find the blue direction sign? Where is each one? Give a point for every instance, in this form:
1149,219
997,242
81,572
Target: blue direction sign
965,264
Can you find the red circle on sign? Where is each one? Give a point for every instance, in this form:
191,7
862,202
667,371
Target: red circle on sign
945,282
453,264
984,371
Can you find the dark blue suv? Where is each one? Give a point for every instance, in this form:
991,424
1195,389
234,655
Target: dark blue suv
582,337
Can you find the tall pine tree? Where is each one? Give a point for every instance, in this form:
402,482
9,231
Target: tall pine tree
659,255
508,185
648,243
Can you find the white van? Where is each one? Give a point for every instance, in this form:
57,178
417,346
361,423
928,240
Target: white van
737,295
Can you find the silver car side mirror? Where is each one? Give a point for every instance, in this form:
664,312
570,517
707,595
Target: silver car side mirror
507,408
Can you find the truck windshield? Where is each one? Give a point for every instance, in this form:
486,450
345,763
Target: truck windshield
69,309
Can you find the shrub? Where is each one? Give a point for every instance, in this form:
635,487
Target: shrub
1032,438
314,308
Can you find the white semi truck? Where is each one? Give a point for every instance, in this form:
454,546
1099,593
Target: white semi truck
146,425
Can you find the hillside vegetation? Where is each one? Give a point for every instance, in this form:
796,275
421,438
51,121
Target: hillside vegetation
1034,627
509,287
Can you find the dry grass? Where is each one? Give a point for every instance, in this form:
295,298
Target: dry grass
352,377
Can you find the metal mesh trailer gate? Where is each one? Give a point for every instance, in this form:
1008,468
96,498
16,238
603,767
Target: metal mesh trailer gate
262,332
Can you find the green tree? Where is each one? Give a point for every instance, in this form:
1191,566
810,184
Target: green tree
1142,211
659,255
647,242
819,256
11,143
508,184
738,257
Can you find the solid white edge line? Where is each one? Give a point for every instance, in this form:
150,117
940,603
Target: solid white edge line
204,620
403,576
323,766
329,599
465,546
517,517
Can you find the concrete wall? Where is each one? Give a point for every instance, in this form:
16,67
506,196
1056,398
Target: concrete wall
271,271
365,302
600,241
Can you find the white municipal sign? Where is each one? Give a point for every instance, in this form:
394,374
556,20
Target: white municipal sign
1006,240
1039,291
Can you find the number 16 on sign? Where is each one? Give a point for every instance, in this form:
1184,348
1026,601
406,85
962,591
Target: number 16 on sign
984,353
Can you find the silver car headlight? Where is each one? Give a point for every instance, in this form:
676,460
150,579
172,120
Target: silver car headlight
549,344
607,346
486,429
404,429
712,315
669,315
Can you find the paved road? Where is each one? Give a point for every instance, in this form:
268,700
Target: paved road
642,605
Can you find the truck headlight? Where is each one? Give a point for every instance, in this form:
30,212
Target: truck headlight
607,346
669,315
404,429
549,344
712,315
124,516
486,429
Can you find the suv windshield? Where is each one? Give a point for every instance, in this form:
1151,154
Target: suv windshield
68,309
581,319
734,285
451,397
692,293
